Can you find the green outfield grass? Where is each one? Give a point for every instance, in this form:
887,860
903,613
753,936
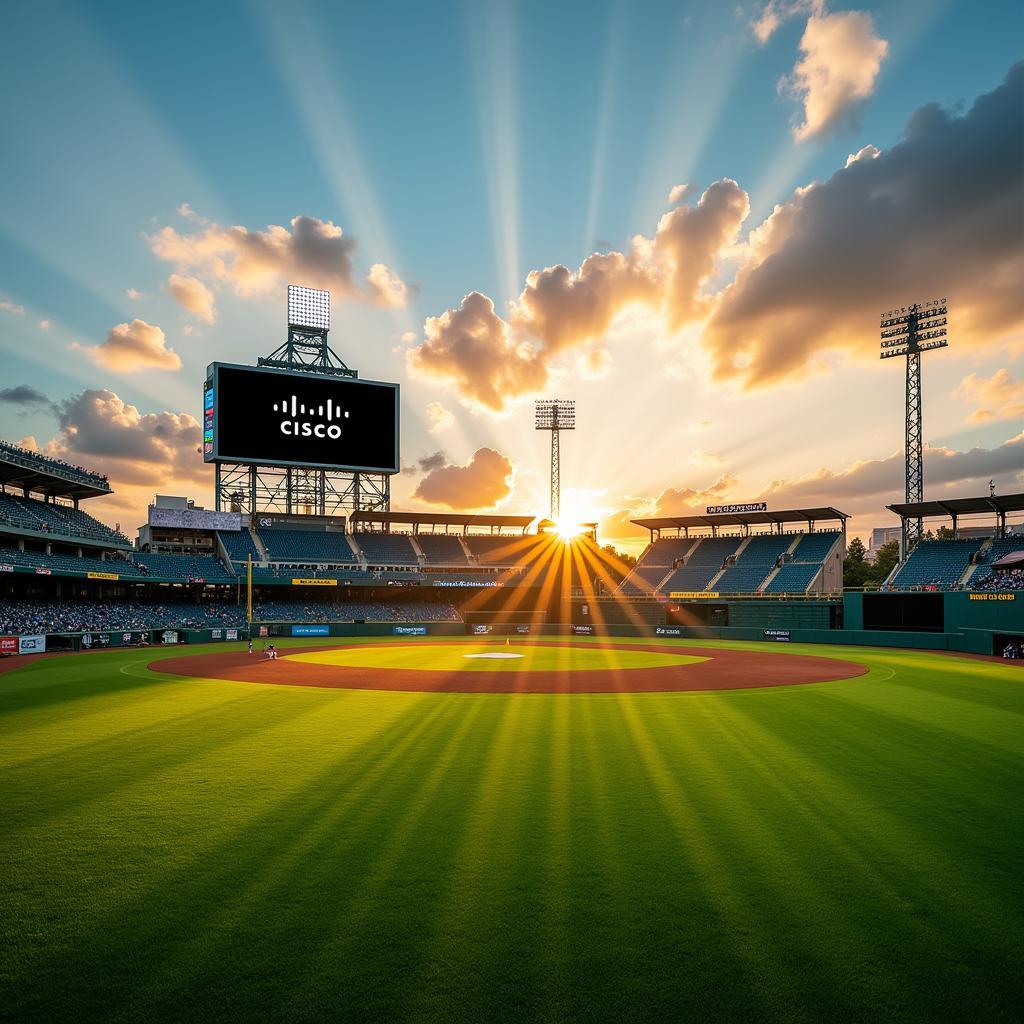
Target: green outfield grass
177,850
513,657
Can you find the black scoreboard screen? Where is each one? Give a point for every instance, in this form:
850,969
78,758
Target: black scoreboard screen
293,418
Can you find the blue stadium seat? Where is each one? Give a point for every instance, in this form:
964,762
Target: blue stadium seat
936,563
318,546
441,549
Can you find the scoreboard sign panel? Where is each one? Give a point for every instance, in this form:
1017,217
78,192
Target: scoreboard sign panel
290,418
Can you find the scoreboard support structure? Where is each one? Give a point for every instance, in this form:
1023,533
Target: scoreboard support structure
297,490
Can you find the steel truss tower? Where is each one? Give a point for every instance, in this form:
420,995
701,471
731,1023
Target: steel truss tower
909,331
291,490
554,415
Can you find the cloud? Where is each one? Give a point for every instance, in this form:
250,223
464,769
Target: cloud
12,307
879,234
133,347
438,418
139,451
44,325
311,251
998,397
472,348
138,448
870,478
481,483
194,296
594,365
134,294
25,397
775,12
431,462
689,240
842,55
492,361
561,309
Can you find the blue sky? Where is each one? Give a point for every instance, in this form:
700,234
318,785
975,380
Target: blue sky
462,145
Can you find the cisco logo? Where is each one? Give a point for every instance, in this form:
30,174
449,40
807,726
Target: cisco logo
293,426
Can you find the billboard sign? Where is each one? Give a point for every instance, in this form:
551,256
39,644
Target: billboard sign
31,644
408,630
321,630
668,630
8,645
778,635
194,519
750,506
290,418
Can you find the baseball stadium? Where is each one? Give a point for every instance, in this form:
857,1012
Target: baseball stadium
303,755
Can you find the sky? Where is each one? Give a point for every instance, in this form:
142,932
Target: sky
687,217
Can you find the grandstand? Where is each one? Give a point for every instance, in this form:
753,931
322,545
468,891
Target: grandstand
239,545
959,562
307,546
687,554
441,549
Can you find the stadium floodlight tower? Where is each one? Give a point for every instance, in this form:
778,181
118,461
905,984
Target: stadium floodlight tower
909,331
555,414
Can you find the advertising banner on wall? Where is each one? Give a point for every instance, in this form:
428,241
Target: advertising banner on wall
8,645
409,631
321,630
583,630
31,644
780,635
668,631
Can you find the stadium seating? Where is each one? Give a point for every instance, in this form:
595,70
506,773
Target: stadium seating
643,579
666,551
754,563
62,520
313,546
501,550
814,547
44,463
793,578
441,549
239,546
386,548
983,578
703,564
27,617
58,563
183,567
935,563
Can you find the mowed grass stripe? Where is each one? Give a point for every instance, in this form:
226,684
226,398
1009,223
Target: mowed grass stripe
848,850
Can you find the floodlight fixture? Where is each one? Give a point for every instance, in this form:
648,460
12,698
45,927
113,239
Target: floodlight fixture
555,414
309,308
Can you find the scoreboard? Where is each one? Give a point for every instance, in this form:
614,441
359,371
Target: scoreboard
273,417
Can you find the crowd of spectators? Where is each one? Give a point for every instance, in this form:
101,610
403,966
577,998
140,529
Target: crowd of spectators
26,457
20,618
1000,579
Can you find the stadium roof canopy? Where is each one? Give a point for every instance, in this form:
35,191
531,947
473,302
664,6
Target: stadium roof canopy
997,504
744,519
26,470
419,519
